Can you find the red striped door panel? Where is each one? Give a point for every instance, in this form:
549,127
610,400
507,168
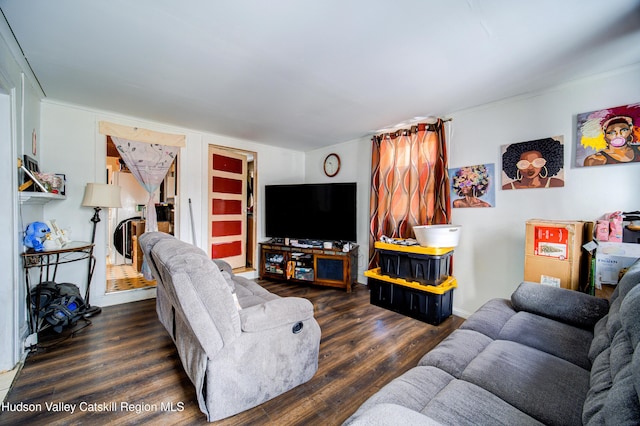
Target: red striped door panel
226,227
219,206
227,186
227,164
219,251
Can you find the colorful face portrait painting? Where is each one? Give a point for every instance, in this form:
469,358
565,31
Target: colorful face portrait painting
608,136
533,164
473,186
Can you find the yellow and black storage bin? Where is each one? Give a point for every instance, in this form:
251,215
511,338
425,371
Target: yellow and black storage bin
413,281
426,265
428,303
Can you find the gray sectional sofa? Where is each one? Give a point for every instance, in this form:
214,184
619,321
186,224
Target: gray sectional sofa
239,344
547,356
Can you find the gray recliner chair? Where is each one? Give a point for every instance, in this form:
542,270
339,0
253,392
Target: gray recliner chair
239,344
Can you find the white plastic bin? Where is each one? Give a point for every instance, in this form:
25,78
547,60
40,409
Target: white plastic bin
437,235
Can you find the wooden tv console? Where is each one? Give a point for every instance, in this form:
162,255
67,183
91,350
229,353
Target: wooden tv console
331,267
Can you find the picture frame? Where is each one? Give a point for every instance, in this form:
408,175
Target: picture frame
29,166
608,136
57,234
31,163
532,164
63,188
38,185
473,186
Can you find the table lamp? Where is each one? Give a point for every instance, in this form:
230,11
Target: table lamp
98,196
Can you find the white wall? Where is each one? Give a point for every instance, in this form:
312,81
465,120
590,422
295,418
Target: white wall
355,166
19,116
489,261
8,261
75,147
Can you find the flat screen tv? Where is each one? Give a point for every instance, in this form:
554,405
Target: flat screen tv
324,211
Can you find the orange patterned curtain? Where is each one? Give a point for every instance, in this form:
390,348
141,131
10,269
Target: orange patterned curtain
409,183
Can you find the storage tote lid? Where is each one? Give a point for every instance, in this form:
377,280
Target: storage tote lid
433,251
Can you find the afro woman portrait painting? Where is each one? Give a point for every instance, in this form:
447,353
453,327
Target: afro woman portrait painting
533,164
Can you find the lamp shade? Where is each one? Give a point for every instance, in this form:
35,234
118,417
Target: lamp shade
102,195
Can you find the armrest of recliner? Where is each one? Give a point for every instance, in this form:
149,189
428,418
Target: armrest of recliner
275,313
223,265
568,306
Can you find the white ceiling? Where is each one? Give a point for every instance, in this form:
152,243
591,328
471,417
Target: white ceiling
307,74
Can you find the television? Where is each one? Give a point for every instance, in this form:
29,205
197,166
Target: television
322,211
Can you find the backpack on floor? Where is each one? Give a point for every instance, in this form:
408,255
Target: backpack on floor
60,304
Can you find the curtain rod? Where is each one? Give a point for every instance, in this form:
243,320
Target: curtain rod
404,126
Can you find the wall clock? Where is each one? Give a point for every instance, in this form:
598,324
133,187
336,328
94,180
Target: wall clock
331,165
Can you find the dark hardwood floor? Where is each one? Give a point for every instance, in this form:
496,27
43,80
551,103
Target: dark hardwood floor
124,369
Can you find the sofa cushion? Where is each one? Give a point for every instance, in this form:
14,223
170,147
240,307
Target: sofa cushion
203,296
463,403
615,376
628,281
247,286
147,241
554,337
387,414
613,322
626,292
615,404
275,314
599,384
455,352
224,266
630,315
413,389
622,407
229,280
571,307
621,353
490,318
250,294
440,398
601,339
548,388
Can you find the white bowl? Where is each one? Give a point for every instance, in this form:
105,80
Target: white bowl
437,235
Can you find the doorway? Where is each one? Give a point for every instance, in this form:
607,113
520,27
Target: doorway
126,224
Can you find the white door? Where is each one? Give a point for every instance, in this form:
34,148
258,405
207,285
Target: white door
227,206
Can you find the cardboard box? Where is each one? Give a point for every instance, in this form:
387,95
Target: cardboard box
554,255
612,259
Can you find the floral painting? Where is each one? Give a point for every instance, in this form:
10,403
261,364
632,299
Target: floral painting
473,186
608,136
533,164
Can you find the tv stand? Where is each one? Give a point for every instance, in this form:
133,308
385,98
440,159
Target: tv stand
331,267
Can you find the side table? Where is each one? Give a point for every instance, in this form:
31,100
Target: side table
48,261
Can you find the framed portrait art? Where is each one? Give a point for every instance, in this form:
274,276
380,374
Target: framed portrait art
608,136
533,164
473,186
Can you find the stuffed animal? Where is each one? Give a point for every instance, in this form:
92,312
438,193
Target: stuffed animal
35,234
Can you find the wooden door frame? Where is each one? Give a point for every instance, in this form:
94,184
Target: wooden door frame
254,158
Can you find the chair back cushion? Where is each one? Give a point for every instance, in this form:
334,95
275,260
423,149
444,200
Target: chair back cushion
202,296
615,352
